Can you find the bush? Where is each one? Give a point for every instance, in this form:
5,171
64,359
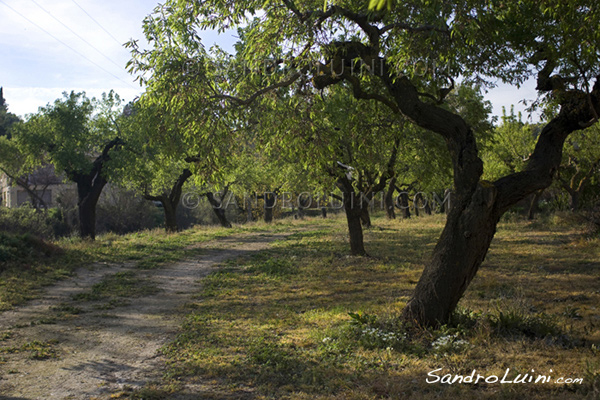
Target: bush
123,212
26,219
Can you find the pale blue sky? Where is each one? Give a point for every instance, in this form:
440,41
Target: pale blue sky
70,51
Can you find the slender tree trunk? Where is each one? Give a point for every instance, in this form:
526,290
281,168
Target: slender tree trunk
353,209
533,205
249,217
404,206
575,200
427,207
416,207
324,212
269,199
389,199
217,207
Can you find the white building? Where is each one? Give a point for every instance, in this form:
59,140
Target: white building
43,185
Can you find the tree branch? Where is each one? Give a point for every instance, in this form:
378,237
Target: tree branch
255,95
412,29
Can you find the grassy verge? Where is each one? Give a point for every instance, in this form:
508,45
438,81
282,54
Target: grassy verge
305,321
27,264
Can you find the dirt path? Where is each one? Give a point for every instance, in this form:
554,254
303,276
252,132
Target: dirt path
97,351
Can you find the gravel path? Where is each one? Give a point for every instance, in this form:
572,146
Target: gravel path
98,352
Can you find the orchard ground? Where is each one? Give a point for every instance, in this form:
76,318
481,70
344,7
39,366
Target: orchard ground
297,318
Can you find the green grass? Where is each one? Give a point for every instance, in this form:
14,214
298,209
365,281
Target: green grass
305,321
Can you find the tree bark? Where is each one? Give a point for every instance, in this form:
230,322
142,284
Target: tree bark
170,211
472,221
324,212
86,204
365,217
353,210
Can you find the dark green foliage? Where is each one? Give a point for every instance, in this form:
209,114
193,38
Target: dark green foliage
26,219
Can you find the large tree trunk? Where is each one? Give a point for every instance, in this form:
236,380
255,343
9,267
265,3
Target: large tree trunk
87,212
170,211
89,189
456,258
472,222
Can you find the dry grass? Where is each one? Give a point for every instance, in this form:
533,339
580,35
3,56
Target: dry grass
277,325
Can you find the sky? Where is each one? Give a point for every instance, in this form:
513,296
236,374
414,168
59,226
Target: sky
48,47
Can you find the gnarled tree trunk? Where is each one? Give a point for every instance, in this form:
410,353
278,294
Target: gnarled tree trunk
89,189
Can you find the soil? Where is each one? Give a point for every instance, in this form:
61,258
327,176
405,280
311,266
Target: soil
69,349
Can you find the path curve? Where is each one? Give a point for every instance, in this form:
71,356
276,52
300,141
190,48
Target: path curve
99,353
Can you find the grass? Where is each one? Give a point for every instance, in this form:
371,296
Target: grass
22,274
305,321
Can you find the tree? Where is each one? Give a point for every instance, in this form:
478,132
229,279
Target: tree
477,40
77,136
355,154
181,79
581,164
148,165
7,119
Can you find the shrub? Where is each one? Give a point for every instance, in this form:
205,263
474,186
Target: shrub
26,219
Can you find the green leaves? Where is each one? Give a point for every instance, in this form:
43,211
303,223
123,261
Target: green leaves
379,4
